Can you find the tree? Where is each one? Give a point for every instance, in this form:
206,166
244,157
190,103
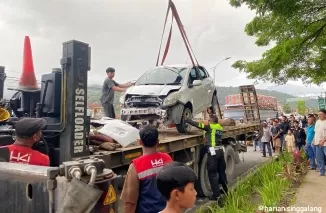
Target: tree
287,108
301,107
315,110
297,29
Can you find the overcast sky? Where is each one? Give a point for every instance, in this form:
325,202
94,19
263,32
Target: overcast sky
125,34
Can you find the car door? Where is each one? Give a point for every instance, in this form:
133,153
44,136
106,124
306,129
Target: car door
193,93
207,88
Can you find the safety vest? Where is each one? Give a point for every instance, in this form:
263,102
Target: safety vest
26,155
214,134
150,200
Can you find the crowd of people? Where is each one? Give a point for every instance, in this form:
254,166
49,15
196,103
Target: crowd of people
291,134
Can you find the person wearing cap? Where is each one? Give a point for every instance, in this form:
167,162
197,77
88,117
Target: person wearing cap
108,89
28,132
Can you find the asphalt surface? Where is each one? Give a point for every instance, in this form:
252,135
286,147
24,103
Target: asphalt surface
251,159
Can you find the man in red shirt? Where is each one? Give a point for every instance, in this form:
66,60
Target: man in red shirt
28,132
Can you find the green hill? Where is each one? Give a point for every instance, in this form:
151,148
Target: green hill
94,94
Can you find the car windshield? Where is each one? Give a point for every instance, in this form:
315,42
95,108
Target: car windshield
163,76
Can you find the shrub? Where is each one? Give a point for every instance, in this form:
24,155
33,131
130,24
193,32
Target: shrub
265,186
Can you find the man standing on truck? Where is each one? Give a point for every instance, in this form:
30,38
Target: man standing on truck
139,192
108,89
28,133
216,165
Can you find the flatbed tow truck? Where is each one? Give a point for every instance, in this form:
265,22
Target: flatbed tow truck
79,181
70,153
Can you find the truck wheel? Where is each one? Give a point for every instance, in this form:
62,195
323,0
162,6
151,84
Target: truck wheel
121,181
183,127
229,156
230,166
204,181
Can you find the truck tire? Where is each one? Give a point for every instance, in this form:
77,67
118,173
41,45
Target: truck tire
121,181
230,160
183,127
204,181
229,156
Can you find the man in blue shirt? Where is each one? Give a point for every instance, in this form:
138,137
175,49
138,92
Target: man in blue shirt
310,132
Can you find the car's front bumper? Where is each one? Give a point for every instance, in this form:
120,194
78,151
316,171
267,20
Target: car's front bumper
144,111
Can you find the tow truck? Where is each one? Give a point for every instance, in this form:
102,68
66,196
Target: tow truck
79,180
65,140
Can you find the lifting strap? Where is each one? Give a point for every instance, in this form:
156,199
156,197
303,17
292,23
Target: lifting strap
167,44
183,34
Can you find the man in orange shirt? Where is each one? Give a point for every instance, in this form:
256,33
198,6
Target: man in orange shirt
28,132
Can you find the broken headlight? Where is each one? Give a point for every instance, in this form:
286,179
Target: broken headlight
172,99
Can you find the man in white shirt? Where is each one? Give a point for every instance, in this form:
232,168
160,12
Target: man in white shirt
320,141
266,140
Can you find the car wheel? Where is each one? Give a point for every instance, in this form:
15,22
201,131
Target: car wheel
183,127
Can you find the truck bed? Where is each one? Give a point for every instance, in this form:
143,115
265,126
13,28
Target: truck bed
170,141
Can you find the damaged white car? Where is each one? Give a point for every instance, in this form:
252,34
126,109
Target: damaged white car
163,94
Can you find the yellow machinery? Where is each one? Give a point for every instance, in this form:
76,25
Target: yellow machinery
4,114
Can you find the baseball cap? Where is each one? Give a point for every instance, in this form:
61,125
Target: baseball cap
27,127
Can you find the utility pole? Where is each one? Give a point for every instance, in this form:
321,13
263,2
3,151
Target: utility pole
2,81
227,58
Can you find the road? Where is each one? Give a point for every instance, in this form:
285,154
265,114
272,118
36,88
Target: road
251,159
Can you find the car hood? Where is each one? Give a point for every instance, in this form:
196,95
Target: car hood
155,90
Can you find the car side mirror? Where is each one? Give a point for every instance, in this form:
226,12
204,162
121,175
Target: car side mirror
197,83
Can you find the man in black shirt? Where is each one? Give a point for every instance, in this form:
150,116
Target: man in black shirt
291,121
299,135
281,133
284,126
304,122
276,131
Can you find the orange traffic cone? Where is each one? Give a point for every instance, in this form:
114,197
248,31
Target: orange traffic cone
27,79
